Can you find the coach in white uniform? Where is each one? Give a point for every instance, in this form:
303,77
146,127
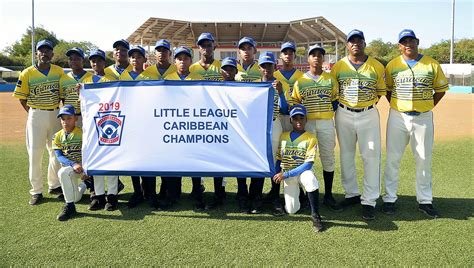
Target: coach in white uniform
361,84
416,83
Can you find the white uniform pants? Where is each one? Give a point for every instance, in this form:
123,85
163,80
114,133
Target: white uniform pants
40,127
362,128
291,189
418,131
326,134
285,123
99,185
69,183
276,133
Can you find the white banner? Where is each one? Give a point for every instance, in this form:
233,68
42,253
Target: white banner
177,128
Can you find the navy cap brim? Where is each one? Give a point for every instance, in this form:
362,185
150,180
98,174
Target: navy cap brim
120,43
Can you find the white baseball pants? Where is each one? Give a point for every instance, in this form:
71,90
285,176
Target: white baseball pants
276,133
291,189
362,128
41,125
69,183
99,184
418,131
326,134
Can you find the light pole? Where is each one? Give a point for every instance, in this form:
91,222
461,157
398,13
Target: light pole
32,32
451,52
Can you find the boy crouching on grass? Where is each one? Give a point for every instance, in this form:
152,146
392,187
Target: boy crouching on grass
294,166
67,144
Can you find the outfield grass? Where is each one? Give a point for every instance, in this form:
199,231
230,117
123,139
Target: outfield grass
32,235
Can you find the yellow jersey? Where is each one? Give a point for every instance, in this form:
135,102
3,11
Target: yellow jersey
212,73
191,76
293,153
154,73
251,74
114,72
70,145
68,85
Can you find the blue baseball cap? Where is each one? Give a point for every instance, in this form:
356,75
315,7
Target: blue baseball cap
98,53
205,36
182,49
76,50
163,43
247,40
355,32
121,42
229,61
139,49
286,45
298,109
406,33
316,47
44,43
266,57
67,109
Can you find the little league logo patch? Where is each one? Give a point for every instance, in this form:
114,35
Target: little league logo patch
109,127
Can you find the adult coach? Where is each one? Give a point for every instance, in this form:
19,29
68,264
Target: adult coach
38,91
361,84
121,48
416,83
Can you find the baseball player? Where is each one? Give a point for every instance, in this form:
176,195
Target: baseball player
121,48
295,158
147,189
248,67
228,72
207,66
361,84
68,83
288,74
163,67
317,91
67,144
267,64
183,60
38,91
97,62
416,83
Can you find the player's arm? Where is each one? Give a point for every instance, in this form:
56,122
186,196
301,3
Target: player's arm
334,93
23,104
437,96
281,93
440,84
22,90
293,173
66,162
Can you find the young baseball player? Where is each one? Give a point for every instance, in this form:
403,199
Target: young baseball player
295,158
207,66
38,91
317,91
163,67
97,62
147,189
122,64
228,72
68,83
267,64
67,144
248,67
288,74
183,60
361,84
416,83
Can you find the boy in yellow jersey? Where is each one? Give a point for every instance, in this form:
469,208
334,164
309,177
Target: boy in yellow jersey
97,61
248,67
416,83
267,64
38,91
67,144
289,74
207,66
317,91
228,72
294,166
68,83
147,189
361,84
163,67
183,60
122,64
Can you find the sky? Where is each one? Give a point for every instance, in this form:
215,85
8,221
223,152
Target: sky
103,22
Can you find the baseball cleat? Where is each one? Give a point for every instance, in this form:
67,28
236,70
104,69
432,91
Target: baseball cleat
112,202
388,208
368,212
36,199
331,203
278,209
67,213
429,210
350,201
57,190
135,200
97,203
317,224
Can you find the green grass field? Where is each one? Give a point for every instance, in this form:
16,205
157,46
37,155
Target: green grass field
32,236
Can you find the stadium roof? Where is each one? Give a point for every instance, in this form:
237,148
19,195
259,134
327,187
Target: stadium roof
303,32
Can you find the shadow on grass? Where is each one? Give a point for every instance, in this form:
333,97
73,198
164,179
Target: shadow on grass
406,210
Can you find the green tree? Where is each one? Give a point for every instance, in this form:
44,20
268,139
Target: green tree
62,47
463,51
383,52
